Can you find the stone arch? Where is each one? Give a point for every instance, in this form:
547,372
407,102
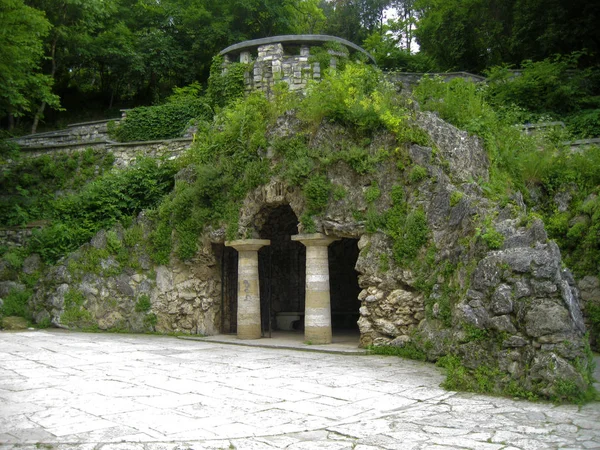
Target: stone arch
271,213
273,194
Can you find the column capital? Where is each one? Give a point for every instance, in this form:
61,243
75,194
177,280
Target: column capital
315,239
243,245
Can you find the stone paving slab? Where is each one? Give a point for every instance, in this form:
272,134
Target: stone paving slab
64,390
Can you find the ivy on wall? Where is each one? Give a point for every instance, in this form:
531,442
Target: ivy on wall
166,121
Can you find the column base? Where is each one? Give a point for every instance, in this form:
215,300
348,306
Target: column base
318,336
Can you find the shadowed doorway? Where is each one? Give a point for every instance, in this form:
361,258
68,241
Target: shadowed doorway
344,289
281,271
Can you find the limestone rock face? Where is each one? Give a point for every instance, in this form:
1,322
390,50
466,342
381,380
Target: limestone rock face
184,297
508,305
475,280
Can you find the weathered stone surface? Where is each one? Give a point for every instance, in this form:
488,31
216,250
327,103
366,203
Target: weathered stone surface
7,286
32,264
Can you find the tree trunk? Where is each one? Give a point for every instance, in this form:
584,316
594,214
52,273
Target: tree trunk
36,118
40,111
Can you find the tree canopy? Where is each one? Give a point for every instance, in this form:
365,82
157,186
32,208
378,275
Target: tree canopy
97,56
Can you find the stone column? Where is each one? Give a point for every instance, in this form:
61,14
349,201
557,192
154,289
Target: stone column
248,304
317,313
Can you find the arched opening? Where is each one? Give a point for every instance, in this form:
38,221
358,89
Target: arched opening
344,289
281,271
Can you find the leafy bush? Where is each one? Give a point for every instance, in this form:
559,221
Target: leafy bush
224,87
357,97
111,198
166,121
551,86
16,303
143,303
75,314
30,185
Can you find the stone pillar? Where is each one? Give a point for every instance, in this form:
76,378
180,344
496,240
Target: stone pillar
248,304
245,57
317,313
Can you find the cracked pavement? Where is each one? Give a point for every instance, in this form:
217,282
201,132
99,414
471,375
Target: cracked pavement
66,390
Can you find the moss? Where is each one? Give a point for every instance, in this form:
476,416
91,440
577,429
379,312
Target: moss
417,173
455,198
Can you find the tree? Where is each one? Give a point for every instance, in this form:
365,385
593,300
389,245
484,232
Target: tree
22,30
73,21
476,34
354,19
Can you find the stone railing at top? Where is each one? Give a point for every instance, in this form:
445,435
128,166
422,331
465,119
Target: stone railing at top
76,133
81,136
407,80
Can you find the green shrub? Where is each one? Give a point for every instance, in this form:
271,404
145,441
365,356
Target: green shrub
30,185
75,314
143,303
16,303
410,233
417,173
166,121
112,198
316,191
226,87
372,193
493,238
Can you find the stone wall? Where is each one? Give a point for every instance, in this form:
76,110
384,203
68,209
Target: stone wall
271,65
74,133
124,153
408,80
183,297
15,237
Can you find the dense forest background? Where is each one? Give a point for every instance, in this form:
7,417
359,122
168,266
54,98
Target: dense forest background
72,60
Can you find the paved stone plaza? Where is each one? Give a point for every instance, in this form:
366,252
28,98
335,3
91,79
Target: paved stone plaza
63,390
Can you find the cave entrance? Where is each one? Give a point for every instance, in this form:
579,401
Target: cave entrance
344,288
282,276
281,271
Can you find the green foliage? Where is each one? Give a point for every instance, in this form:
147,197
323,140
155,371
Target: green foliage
592,311
358,97
16,303
226,163
409,351
75,314
143,303
338,192
316,191
475,334
372,193
409,231
459,378
493,238
21,55
226,86
455,198
31,184
551,86
417,173
326,52
166,121
114,197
